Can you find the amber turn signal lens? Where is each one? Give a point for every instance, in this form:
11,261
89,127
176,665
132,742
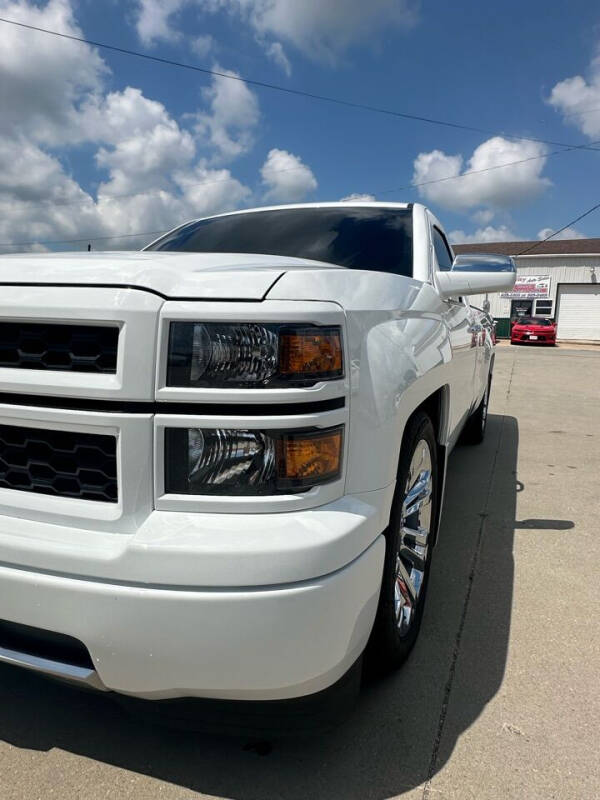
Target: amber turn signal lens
310,353
311,457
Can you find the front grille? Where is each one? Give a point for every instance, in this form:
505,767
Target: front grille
71,348
60,463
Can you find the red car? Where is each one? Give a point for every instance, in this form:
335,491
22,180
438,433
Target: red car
536,330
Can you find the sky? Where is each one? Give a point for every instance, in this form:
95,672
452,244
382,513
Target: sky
104,147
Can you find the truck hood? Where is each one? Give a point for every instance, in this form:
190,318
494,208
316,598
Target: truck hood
212,276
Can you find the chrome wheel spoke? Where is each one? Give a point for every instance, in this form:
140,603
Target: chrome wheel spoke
405,597
418,495
413,536
413,547
404,580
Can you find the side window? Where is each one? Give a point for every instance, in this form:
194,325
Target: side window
442,251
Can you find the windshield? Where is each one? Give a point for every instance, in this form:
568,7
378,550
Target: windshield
534,321
377,239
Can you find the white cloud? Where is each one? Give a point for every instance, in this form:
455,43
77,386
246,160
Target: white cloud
233,113
503,234
55,94
321,29
356,197
38,200
208,190
276,52
287,178
568,233
484,216
147,144
43,79
203,45
578,100
499,188
154,20
195,193
481,235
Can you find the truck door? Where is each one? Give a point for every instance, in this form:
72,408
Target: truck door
480,366
459,320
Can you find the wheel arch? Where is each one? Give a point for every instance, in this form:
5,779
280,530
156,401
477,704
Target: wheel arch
436,406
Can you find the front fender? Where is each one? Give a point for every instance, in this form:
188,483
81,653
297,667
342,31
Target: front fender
397,362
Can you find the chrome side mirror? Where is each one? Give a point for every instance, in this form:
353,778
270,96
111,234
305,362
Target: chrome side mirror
483,262
477,274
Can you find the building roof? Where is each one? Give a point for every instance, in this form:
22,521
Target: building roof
551,247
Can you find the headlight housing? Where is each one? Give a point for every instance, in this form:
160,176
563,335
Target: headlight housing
252,355
227,461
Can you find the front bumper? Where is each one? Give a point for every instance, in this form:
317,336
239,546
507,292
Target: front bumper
525,338
173,595
247,643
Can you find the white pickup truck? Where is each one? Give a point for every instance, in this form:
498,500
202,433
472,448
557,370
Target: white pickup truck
222,459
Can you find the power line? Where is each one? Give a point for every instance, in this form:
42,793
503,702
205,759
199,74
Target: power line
380,192
158,233
286,89
479,171
560,230
581,111
290,169
62,204
83,239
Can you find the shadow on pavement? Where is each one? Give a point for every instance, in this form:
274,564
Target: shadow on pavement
544,524
404,727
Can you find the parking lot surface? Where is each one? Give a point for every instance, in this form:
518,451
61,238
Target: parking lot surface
500,697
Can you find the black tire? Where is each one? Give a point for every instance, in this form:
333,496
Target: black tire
474,430
389,647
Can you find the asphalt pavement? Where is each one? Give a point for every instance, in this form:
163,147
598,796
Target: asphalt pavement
500,698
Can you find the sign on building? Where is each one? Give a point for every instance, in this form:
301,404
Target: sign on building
529,287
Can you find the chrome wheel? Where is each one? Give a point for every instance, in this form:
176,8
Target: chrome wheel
415,527
409,545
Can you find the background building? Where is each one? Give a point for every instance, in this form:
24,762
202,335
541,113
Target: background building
557,279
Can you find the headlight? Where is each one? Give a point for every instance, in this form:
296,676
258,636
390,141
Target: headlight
214,354
250,462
